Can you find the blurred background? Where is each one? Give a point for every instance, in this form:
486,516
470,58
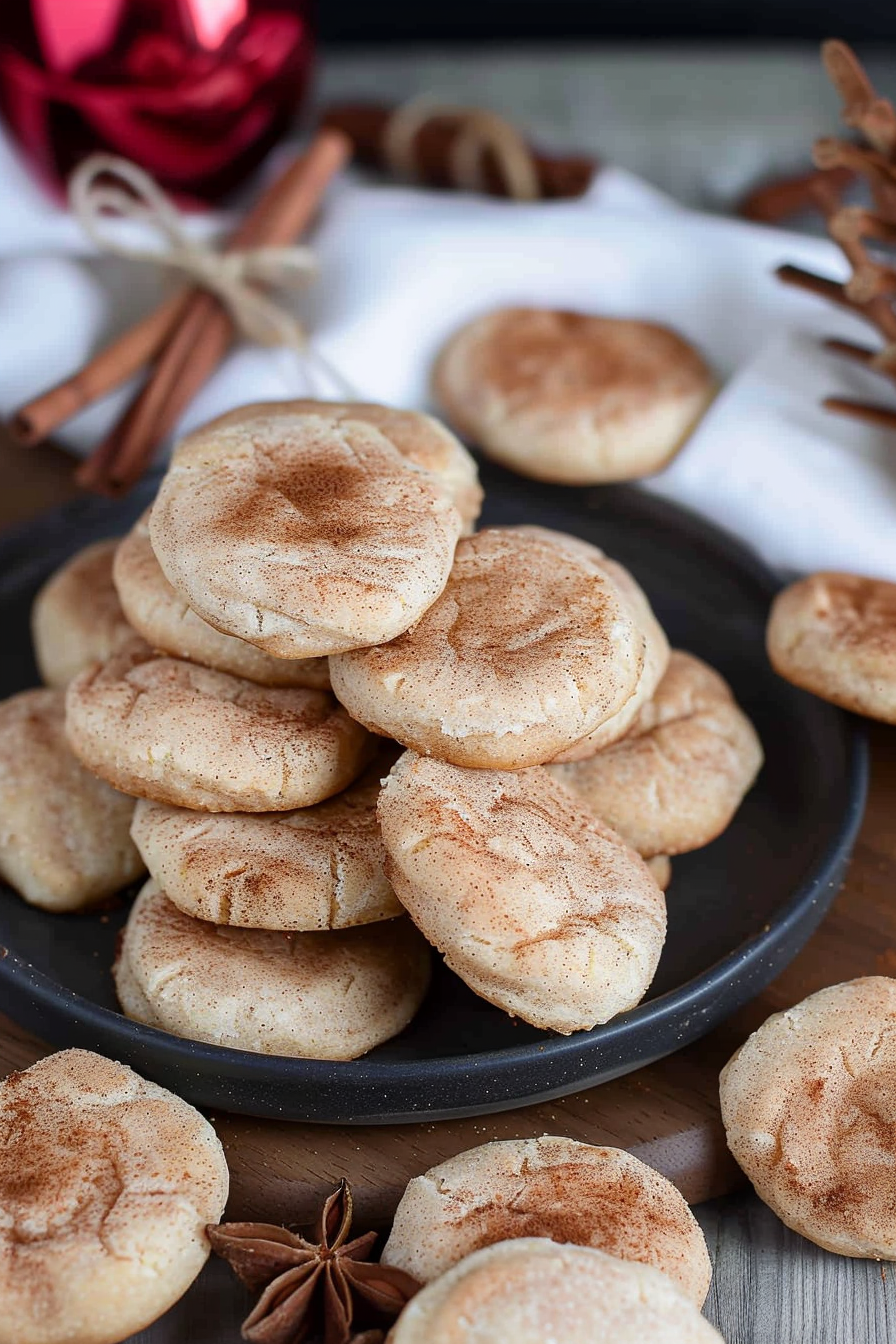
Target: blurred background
703,99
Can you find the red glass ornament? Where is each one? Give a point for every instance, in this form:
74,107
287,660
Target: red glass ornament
196,91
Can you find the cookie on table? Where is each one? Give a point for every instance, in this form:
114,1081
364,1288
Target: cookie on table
835,635
532,1290
532,901
308,532
317,867
573,399
675,781
808,1109
170,730
107,1183
331,995
167,623
64,834
532,645
547,1187
76,618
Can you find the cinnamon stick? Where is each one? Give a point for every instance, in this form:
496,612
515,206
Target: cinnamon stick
206,331
774,201
560,176
862,410
861,354
107,370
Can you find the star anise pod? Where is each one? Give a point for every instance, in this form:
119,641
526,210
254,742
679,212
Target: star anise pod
313,1285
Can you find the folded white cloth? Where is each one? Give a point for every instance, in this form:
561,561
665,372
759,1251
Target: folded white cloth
401,268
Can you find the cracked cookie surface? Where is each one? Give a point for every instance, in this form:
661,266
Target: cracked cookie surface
107,1182
170,730
332,995
809,1108
538,906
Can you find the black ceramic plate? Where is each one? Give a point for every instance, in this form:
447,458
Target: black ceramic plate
738,910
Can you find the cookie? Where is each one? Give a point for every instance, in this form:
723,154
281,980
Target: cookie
164,619
532,646
307,532
675,781
808,1109
565,397
420,438
107,1183
317,867
835,635
169,730
328,995
656,660
533,902
530,1291
548,1187
64,834
660,866
76,618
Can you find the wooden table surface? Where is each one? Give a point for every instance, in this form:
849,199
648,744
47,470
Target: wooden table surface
702,125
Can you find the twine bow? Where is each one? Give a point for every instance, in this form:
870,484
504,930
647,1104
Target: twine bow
232,277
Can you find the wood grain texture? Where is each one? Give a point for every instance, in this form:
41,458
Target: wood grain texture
771,1286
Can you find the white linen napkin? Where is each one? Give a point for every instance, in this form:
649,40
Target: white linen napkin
401,268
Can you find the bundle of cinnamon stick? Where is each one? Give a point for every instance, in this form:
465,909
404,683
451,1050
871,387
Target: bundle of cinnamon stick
182,342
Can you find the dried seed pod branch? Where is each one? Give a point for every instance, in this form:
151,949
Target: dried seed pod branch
867,236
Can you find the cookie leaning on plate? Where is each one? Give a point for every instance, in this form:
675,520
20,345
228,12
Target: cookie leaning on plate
164,619
835,635
808,1108
308,532
76,618
318,867
107,1183
166,729
531,1290
531,646
674,782
547,1187
565,397
332,995
533,902
65,835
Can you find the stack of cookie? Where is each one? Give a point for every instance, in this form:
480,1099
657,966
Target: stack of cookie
304,587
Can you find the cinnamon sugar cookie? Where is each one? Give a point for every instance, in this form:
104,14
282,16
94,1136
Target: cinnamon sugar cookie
318,867
531,1291
675,780
809,1108
64,834
107,1183
532,645
564,397
420,438
533,902
167,623
835,635
309,532
332,995
76,619
548,1187
169,730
